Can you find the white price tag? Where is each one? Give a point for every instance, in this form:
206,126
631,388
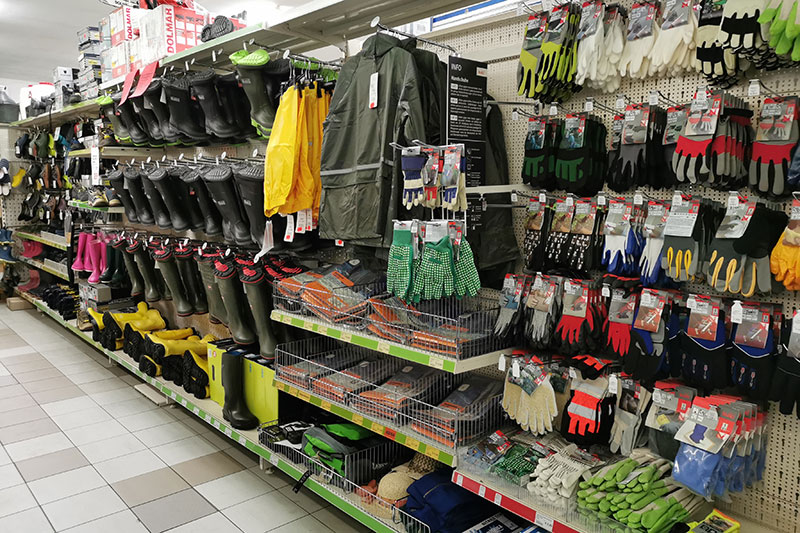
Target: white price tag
573,373
373,91
543,521
754,89
501,363
589,105
216,424
601,200
733,199
196,411
274,459
459,480
653,100
208,418
613,384
94,151
242,440
227,432
436,362
498,498
638,199
737,313
183,403
515,115
553,110
569,201
514,197
620,103
515,368
482,491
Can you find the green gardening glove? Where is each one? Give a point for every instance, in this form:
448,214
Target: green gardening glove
531,54
434,277
467,281
547,66
401,260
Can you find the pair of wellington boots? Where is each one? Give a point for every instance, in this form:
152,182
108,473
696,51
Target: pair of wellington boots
183,280
196,374
161,356
134,337
111,326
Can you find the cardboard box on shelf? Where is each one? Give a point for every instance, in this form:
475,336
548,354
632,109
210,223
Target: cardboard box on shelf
120,60
91,48
105,32
168,30
106,60
15,303
99,293
89,75
90,91
124,24
64,74
86,61
88,35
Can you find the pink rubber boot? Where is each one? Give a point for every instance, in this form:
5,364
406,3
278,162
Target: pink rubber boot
95,246
101,238
78,265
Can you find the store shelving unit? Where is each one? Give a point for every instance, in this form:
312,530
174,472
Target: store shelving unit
88,207
38,238
372,342
406,438
211,413
41,266
89,108
122,152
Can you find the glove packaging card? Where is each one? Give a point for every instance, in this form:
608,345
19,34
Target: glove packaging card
616,131
794,337
574,129
535,215
656,220
651,308
534,140
562,220
634,130
576,298
703,319
753,331
640,20
676,13
776,120
699,429
535,31
590,18
617,221
622,308
543,293
676,122
682,217
737,218
704,114
583,220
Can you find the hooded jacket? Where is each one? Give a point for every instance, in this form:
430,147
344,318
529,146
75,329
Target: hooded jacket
360,180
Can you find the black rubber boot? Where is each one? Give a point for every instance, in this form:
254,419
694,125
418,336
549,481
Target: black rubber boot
175,206
219,180
121,272
184,116
254,279
216,308
149,121
235,409
160,212
184,256
250,182
262,107
121,133
111,264
186,198
203,88
128,117
230,288
144,263
133,181
211,217
153,98
137,285
117,181
235,104
169,270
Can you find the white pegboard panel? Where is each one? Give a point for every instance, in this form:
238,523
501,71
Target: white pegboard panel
775,502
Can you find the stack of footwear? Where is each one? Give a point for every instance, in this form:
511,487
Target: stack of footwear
60,298
5,246
91,255
196,374
108,328
261,79
33,281
163,353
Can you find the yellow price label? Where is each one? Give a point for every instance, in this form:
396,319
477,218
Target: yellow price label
346,336
358,419
436,362
303,395
412,443
433,453
377,428
326,405
287,319
293,391
383,347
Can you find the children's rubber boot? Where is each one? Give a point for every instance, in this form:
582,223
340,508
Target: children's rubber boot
235,410
77,264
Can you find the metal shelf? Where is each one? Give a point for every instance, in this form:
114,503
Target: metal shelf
122,152
39,238
372,342
211,413
88,207
41,266
90,108
445,456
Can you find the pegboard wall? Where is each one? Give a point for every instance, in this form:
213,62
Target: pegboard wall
774,502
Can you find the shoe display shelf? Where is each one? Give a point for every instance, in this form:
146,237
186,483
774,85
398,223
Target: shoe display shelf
395,349
88,207
89,108
122,152
211,413
52,240
62,273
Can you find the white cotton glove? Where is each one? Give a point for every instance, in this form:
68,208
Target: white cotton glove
650,261
671,48
542,408
589,52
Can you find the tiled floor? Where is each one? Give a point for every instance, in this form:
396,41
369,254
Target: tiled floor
82,451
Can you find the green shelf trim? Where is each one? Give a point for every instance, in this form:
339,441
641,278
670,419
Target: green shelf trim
87,206
188,403
443,456
41,266
34,237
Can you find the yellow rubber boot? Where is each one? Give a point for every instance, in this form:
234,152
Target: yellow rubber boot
17,179
115,322
196,374
97,324
149,367
158,348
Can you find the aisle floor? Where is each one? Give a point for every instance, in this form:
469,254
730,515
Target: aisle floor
82,451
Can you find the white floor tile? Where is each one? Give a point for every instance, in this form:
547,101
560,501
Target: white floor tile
66,484
90,376
15,499
106,398
30,521
214,522
20,350
121,522
82,508
146,420
233,489
9,477
129,466
4,458
164,434
105,385
95,432
307,524
103,450
184,450
62,407
130,407
84,417
26,449
86,365
263,513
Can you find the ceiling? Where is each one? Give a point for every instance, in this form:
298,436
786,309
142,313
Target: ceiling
39,35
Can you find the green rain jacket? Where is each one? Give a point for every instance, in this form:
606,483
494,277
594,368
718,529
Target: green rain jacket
361,174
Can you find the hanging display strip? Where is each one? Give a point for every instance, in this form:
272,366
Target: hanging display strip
41,266
388,347
211,413
768,502
446,457
38,238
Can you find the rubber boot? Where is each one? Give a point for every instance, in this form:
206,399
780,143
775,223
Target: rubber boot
149,121
204,90
250,183
208,209
169,269
96,318
113,324
144,264
192,282
157,206
235,410
117,181
232,292
174,207
121,133
183,116
101,241
127,116
235,103
129,265
120,271
196,374
185,197
152,96
116,325
216,308
253,78
111,264
219,180
256,288
159,348
95,250
135,336
133,182
77,264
